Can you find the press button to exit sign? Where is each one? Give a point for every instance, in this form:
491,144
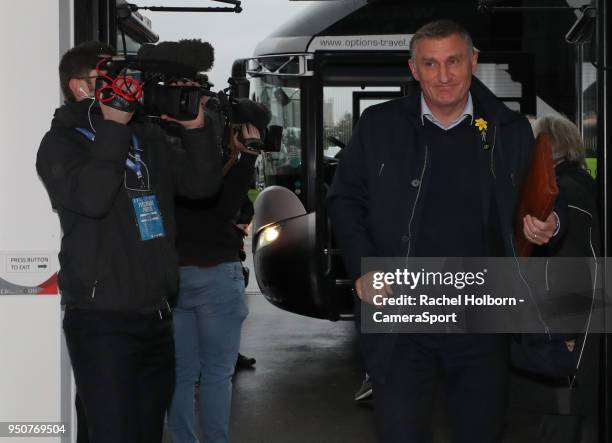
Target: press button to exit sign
27,263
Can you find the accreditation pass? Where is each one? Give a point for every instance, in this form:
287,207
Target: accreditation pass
148,217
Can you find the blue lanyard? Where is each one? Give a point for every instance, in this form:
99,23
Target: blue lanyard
135,167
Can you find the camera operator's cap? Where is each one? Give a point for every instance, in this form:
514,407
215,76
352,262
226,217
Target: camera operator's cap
248,111
184,58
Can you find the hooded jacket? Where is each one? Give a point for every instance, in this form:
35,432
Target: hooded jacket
380,188
105,265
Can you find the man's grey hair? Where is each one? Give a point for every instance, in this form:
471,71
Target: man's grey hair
440,29
564,136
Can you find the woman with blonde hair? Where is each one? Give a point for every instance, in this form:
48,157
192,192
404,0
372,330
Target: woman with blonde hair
579,233
565,138
577,189
578,240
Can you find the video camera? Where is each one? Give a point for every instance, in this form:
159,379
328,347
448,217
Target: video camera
145,83
235,111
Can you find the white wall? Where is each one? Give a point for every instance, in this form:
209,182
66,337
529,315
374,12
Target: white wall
30,325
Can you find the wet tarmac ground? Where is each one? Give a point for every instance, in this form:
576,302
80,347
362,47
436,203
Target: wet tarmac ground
302,389
303,384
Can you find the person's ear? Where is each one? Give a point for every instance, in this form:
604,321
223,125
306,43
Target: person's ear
77,87
474,60
413,69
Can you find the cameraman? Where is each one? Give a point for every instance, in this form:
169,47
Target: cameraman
211,304
112,181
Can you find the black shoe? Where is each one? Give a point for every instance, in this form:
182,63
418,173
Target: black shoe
245,362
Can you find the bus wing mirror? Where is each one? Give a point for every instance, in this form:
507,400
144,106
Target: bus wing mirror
275,204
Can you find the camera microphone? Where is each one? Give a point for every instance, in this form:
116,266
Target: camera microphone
185,57
248,111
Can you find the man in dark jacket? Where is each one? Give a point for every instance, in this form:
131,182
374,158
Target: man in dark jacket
112,181
434,175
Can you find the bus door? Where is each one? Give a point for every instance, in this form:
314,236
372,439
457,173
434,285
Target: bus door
347,82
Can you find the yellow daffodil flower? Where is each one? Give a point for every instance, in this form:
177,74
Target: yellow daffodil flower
481,124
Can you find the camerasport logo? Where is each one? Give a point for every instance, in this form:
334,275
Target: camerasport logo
28,273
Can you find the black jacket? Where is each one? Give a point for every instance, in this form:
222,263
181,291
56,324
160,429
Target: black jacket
578,241
569,281
580,235
380,188
104,263
207,233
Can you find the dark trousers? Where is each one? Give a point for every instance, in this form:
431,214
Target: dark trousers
82,429
474,370
124,371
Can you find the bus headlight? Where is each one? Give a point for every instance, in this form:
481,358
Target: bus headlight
268,235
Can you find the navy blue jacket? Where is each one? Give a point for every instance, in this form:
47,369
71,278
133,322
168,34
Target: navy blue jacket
380,188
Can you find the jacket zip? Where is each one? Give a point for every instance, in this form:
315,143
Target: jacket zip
546,273
93,290
493,150
159,311
526,283
588,326
416,200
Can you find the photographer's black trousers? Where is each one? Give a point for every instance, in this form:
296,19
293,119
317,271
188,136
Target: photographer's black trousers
124,371
474,371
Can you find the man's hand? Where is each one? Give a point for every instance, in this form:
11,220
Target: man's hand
539,232
197,122
115,114
248,131
364,286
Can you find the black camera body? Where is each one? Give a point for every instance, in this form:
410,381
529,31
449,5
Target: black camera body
130,84
142,82
180,102
236,111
